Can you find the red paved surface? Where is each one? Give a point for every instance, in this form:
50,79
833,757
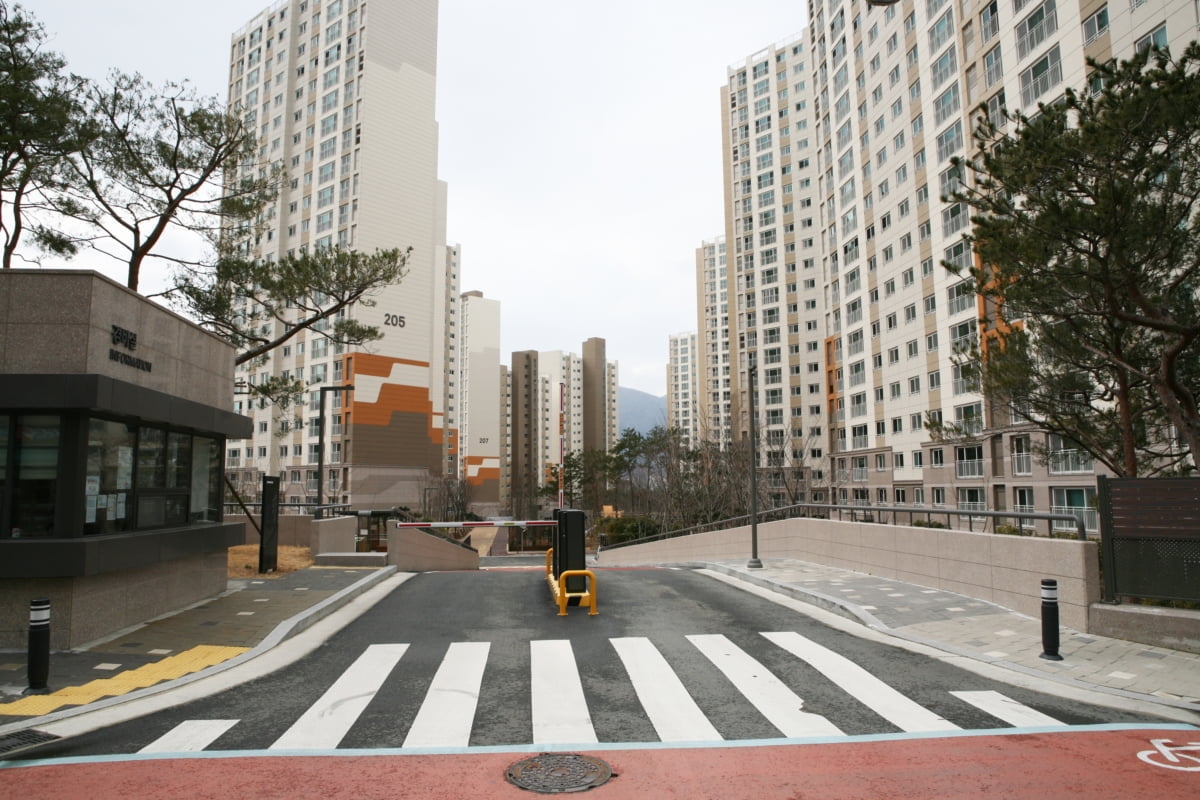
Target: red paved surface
1092,764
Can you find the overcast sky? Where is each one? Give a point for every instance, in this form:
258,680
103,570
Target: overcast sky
581,143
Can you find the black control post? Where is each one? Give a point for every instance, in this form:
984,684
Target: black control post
38,665
1050,620
268,546
558,543
571,527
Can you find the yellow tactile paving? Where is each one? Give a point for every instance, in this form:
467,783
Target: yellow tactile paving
169,668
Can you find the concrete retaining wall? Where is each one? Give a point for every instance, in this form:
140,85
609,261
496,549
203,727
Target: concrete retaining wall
413,550
334,535
1177,629
295,530
87,608
1006,570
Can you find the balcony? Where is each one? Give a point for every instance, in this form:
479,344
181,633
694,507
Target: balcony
969,469
1022,463
1070,462
859,442
965,507
859,474
1087,515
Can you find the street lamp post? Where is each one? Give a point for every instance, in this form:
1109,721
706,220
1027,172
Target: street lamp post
349,387
754,562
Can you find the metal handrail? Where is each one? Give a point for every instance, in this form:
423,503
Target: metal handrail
791,512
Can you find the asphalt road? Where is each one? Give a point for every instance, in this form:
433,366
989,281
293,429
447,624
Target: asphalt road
697,625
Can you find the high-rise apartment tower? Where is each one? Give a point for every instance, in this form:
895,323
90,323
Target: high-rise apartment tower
342,96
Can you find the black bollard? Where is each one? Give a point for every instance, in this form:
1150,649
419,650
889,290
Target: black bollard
1050,620
38,665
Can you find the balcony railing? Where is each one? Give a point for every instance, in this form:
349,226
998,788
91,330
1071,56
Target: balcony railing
1022,463
969,469
967,507
859,442
859,474
1087,516
1070,462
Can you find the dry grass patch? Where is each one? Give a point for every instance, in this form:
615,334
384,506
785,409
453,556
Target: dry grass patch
243,561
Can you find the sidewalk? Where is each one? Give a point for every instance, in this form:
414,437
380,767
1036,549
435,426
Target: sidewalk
985,632
258,614
253,613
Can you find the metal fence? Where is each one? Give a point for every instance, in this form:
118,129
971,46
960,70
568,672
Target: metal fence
919,516
1150,537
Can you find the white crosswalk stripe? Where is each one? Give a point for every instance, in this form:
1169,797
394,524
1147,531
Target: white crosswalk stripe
558,704
446,716
862,685
328,720
560,711
775,701
672,711
1007,709
190,736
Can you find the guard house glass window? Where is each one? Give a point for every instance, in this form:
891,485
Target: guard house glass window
35,474
109,481
141,477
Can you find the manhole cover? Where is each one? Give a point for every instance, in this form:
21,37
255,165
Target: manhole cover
550,773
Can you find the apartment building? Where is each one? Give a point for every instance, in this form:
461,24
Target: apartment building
714,398
343,101
837,157
777,332
559,403
479,411
683,412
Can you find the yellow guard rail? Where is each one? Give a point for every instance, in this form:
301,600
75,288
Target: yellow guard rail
558,588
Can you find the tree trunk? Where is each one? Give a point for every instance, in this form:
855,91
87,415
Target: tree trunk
1128,441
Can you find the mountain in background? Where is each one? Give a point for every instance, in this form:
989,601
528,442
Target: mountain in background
641,411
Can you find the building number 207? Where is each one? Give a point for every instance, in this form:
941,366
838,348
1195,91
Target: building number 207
393,320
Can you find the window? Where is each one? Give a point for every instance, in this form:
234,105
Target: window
1043,75
960,297
946,104
1035,28
958,255
1095,26
944,67
989,20
962,335
954,219
950,140
993,67
941,31
1156,40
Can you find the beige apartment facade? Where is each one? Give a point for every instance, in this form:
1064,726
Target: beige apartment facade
682,388
479,392
859,117
343,97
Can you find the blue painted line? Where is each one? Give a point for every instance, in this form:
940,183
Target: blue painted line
594,746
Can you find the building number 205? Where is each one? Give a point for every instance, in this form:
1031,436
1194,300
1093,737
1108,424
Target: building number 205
393,320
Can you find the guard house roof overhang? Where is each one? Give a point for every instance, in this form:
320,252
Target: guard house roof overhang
104,395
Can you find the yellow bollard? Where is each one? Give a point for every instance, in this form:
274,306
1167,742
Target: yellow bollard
589,597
